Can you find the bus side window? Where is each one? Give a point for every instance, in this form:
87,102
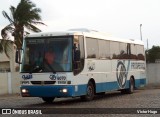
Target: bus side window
123,51
140,52
78,54
133,52
114,47
104,52
92,48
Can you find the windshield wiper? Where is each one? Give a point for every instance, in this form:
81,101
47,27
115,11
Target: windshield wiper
35,69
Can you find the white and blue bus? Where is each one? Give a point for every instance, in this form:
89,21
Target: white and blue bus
85,63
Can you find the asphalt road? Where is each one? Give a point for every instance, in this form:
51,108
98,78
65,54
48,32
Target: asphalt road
146,102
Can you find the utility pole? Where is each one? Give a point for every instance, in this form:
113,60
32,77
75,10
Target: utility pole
141,31
147,44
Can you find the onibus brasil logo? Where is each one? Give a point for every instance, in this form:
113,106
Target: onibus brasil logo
121,74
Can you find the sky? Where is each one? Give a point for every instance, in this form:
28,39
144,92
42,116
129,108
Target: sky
120,18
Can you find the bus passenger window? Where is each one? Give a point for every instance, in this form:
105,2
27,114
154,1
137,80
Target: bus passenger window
115,50
92,48
133,52
123,51
140,52
103,49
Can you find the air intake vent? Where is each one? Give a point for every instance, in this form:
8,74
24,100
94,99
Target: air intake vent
42,82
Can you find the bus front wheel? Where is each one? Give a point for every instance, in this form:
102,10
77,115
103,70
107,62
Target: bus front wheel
48,99
89,93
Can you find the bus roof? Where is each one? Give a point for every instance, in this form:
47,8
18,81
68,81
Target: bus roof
86,33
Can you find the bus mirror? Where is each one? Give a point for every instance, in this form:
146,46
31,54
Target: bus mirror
18,57
77,55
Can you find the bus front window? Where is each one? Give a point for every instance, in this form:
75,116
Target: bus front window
47,55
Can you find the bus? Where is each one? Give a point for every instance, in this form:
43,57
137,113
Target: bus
79,63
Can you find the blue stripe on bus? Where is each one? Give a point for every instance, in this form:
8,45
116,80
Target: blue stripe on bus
55,91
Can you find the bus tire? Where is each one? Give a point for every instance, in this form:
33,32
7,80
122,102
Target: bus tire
131,86
89,93
48,99
130,90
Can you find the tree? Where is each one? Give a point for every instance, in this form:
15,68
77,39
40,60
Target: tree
153,54
24,16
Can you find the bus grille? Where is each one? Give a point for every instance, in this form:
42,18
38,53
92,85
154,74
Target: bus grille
42,82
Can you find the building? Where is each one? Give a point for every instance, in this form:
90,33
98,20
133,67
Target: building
9,78
8,64
4,63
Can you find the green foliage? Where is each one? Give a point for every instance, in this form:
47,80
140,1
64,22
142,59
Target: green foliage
25,15
153,54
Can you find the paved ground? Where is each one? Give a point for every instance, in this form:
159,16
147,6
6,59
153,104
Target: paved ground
142,99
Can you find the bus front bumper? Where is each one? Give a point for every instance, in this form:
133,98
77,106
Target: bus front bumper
47,91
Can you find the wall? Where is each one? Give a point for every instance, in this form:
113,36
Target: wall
16,82
9,83
9,79
3,83
153,74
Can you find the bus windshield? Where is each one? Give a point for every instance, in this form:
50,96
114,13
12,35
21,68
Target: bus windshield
47,54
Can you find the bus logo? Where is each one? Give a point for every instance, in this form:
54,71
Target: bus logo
52,77
27,76
121,74
57,77
91,66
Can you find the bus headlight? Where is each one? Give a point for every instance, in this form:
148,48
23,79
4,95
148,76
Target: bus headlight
24,91
64,90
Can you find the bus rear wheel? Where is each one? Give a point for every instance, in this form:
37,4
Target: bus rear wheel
89,93
48,99
130,90
131,86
